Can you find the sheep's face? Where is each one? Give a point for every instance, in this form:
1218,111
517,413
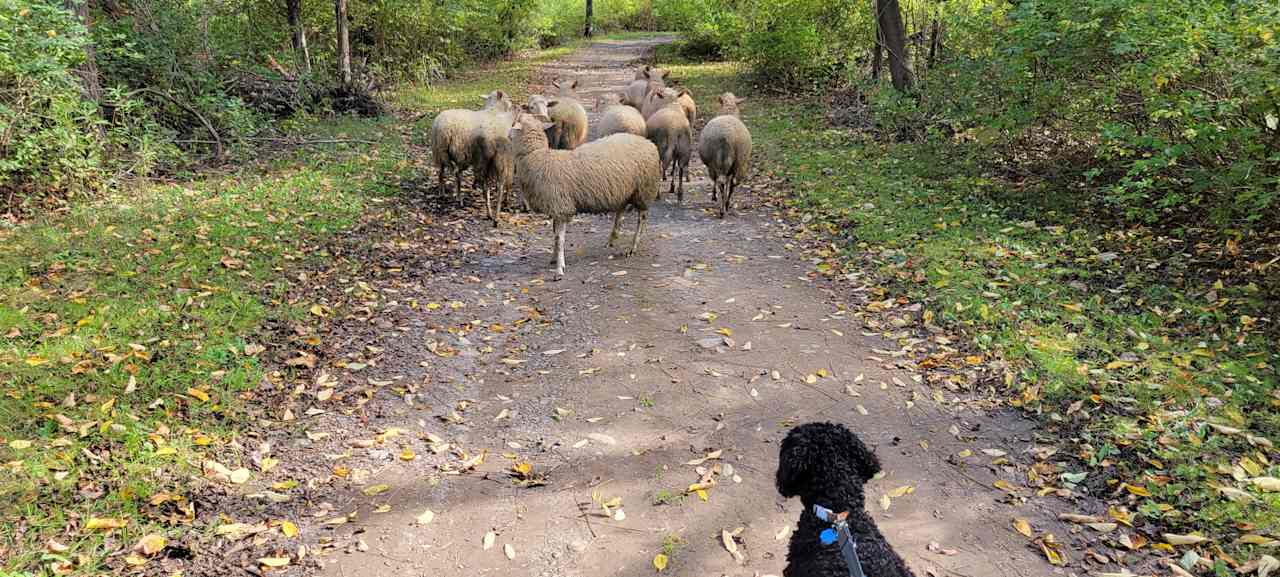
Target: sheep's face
498,100
528,132
729,103
656,74
537,105
566,87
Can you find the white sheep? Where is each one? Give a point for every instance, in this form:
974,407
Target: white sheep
492,160
568,117
603,176
725,147
451,134
618,118
669,129
682,96
635,93
646,72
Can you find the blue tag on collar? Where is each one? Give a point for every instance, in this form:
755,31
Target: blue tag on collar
828,536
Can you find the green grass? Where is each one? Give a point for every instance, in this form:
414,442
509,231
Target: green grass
128,328
1118,339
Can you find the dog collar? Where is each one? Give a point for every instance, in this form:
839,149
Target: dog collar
839,533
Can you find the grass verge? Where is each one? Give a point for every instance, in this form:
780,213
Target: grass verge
134,333
1151,357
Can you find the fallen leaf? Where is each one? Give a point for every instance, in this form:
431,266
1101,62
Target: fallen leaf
1266,484
288,529
1175,539
1267,564
1022,526
885,502
150,544
659,562
199,394
274,561
1005,486
104,524
1076,518
782,533
487,542
509,551
426,517
726,538
19,444
903,490
373,490
239,476
709,456
994,452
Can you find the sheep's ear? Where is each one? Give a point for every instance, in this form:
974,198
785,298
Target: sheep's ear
683,91
499,94
665,74
552,103
739,100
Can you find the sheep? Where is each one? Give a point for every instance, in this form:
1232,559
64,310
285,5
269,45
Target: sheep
635,93
725,148
602,176
646,72
492,160
682,96
568,117
619,118
451,134
669,129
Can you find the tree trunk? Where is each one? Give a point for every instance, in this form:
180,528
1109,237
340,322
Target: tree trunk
344,42
935,38
90,85
301,54
889,16
586,30
877,54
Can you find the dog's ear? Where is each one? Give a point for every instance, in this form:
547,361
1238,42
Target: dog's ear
862,457
797,461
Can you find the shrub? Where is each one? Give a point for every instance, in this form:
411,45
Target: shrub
48,142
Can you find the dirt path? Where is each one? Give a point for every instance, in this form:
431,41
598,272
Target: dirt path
608,382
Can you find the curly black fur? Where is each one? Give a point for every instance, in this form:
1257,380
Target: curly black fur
826,464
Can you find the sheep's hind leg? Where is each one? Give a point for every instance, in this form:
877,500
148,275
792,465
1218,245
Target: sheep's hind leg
617,223
680,195
635,242
497,207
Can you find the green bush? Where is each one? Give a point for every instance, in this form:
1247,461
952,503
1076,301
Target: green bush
47,130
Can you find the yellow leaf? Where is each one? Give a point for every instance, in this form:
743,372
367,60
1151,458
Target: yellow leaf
19,444
824,373
1022,526
1258,540
36,360
104,524
726,332
135,560
1005,486
426,517
1174,539
407,454
274,561
1266,484
810,379
165,451
373,490
289,529
199,394
702,494
885,502
660,562
319,310
1122,517
1113,365
1139,491
150,544
1073,307
903,490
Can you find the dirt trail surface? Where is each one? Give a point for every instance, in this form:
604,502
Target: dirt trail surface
712,339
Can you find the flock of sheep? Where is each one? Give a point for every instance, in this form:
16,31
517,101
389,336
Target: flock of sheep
643,136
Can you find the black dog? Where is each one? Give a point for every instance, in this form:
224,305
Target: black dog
826,464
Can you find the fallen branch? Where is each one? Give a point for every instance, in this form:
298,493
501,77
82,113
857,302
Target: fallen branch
208,125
